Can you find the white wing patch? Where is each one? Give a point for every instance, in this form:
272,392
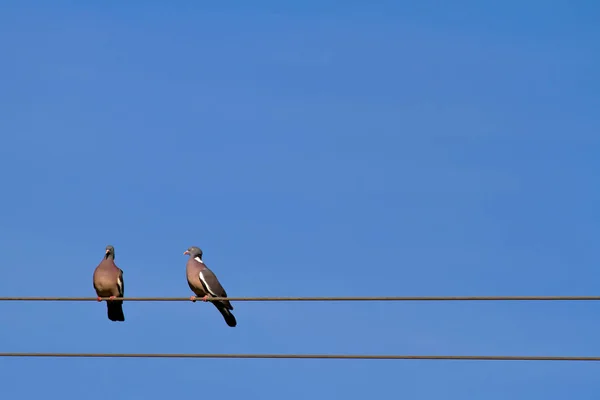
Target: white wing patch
120,284
199,260
206,284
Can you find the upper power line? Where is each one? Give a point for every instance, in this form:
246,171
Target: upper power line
352,298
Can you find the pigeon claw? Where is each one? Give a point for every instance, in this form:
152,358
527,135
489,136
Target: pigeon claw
205,298
193,299
112,297
99,299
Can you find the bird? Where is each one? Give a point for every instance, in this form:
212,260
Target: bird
108,282
205,284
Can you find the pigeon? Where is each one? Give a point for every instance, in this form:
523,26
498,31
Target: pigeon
108,282
205,284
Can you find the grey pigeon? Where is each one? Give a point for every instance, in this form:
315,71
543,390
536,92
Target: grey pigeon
205,284
108,282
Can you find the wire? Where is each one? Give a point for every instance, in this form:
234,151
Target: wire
369,298
304,356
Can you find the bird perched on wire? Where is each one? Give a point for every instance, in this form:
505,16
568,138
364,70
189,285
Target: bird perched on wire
108,282
205,284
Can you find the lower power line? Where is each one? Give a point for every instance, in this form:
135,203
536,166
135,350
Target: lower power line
306,356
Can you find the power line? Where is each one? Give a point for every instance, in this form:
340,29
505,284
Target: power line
305,356
367,298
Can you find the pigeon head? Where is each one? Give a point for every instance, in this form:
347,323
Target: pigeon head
109,252
193,252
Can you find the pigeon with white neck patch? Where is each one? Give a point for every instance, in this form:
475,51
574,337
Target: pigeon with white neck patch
205,284
108,282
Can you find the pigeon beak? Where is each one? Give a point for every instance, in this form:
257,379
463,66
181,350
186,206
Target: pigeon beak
186,253
107,251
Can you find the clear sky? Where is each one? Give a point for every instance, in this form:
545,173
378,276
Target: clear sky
309,148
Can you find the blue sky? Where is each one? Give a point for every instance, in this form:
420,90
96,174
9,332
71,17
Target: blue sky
311,148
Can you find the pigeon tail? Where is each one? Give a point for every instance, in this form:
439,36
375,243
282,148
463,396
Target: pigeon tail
115,310
227,315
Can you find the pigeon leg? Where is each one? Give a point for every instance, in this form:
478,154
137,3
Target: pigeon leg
193,299
112,297
204,298
99,298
